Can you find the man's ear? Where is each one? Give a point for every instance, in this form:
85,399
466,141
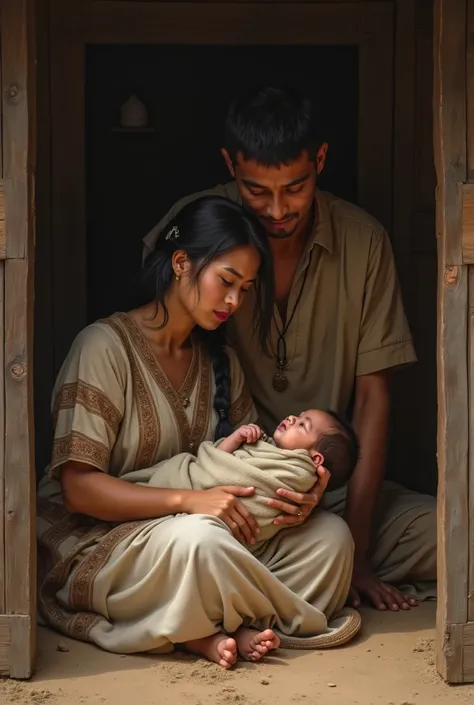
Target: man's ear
228,161
321,155
317,458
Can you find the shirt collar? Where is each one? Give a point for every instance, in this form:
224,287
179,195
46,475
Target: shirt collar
323,233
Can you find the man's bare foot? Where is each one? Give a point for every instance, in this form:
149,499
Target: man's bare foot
218,648
253,645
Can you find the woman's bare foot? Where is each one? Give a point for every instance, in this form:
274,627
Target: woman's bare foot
218,648
253,645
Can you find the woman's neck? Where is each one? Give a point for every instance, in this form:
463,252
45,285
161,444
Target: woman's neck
176,333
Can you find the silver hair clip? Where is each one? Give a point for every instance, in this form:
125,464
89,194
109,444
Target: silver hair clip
173,233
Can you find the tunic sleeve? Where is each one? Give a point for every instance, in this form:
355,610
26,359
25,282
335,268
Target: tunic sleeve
88,400
242,409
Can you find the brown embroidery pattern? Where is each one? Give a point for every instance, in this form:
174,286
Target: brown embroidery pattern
57,616
148,420
79,447
241,407
190,435
81,589
203,398
91,398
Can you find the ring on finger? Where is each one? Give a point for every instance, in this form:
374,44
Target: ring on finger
299,513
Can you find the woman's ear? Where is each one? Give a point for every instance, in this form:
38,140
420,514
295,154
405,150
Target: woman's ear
180,263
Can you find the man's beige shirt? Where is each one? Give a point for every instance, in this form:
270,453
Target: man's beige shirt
349,322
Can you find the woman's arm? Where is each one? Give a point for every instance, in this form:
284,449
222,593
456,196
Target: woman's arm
89,491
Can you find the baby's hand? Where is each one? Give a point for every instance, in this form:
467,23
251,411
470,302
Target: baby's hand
250,433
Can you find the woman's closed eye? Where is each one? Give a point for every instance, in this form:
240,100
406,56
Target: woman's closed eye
228,284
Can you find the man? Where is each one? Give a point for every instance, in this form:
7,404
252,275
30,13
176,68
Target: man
339,332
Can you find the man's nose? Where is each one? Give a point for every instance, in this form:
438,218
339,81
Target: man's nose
277,209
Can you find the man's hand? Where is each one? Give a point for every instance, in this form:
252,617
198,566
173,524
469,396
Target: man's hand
366,585
295,515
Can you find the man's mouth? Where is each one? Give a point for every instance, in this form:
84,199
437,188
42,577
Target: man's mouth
221,315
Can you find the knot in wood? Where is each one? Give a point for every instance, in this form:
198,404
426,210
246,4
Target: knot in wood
451,276
12,92
18,370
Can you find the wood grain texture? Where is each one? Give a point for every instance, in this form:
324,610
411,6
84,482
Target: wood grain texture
467,223
20,499
470,607
3,237
453,444
2,444
470,90
15,631
219,23
19,160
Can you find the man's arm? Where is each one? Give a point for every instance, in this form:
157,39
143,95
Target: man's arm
371,419
384,345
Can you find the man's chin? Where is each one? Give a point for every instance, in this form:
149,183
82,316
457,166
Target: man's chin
280,233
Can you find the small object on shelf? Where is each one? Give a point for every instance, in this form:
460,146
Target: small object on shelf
133,114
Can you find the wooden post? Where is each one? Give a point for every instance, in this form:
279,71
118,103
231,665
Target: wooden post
455,642
17,500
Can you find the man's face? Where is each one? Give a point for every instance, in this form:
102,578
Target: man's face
280,196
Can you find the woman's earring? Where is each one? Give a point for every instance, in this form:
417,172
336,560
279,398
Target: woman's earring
177,277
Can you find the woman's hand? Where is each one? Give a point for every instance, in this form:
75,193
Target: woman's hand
222,503
295,515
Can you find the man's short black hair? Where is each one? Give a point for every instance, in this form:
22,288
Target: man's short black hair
340,448
272,126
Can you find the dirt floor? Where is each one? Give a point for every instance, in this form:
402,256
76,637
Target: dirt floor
391,662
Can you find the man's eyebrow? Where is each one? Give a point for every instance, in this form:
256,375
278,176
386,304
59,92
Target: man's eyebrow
295,182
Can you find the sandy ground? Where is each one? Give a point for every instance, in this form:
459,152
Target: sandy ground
391,663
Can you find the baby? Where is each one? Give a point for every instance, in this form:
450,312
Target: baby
248,458
329,440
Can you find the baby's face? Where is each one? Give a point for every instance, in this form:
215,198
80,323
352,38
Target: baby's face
302,432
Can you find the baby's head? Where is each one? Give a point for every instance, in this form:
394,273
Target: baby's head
330,440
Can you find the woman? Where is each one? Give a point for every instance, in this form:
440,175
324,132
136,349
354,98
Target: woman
135,568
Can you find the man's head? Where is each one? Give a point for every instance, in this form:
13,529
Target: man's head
273,149
330,440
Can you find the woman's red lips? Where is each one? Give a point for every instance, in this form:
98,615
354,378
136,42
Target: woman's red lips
221,315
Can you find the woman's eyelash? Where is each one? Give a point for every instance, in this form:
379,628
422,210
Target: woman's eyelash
225,282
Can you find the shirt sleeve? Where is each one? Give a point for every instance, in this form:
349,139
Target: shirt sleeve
385,339
242,409
88,401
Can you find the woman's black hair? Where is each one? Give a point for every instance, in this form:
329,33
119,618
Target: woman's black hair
204,229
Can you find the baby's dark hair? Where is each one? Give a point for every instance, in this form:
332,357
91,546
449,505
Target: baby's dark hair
340,448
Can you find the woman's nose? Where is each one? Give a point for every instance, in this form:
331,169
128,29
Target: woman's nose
232,299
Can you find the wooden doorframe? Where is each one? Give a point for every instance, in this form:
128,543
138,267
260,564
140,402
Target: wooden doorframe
453,87
74,25
17,475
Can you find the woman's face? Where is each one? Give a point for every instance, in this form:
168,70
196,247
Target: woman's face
220,288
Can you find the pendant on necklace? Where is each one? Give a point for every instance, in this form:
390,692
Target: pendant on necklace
280,382
186,402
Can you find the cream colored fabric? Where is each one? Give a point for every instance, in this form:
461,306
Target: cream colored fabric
350,322
403,550
261,465
147,585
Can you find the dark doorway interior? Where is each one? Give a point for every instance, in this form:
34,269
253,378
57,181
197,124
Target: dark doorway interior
133,178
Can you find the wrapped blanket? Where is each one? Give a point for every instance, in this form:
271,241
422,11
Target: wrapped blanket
261,465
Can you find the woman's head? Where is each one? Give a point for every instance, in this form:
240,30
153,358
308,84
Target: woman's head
206,260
